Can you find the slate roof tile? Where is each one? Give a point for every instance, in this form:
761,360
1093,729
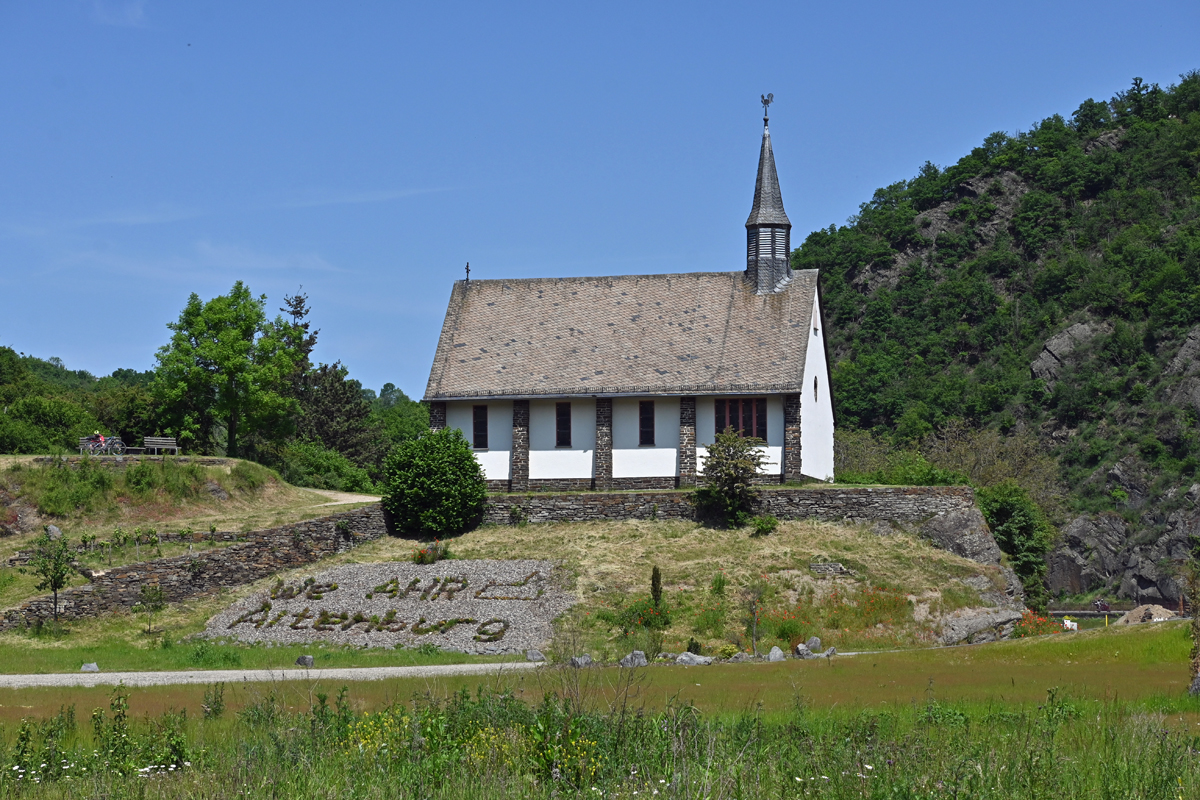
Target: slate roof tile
572,336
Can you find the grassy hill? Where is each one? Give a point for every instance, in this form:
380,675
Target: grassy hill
899,590
1043,288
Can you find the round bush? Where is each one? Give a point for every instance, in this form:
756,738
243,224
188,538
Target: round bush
433,486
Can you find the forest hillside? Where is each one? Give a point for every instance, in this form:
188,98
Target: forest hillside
1044,291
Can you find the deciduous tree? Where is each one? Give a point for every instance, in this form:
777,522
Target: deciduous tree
227,365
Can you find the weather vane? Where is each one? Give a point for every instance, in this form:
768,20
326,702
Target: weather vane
766,101
468,272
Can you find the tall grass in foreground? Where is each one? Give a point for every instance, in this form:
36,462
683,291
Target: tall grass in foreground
494,745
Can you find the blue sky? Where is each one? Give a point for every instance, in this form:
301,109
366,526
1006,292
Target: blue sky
367,150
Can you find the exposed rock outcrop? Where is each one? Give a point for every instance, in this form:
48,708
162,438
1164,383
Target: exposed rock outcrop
1104,553
1056,352
1002,192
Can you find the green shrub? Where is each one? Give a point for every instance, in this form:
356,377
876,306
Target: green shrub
710,619
1023,533
58,422
19,436
641,613
64,490
140,477
248,476
433,486
732,463
728,650
719,584
764,525
311,464
787,626
905,468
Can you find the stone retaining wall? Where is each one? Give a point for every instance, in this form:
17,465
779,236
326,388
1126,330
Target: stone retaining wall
262,554
946,515
907,504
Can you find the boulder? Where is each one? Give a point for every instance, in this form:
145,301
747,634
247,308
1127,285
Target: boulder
775,655
635,659
1194,689
305,661
832,651
978,624
739,657
92,667
802,651
964,533
813,643
534,655
53,532
581,661
693,660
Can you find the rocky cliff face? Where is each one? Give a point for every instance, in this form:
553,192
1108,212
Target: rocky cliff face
1105,553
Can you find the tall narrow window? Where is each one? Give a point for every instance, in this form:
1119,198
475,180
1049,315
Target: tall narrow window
814,388
562,424
479,434
646,423
746,415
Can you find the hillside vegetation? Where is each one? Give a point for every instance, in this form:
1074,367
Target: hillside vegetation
1045,287
229,381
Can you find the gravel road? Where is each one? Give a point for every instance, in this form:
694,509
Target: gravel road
255,675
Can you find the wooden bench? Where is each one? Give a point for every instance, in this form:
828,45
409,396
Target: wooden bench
158,444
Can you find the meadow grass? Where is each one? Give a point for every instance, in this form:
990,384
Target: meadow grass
747,731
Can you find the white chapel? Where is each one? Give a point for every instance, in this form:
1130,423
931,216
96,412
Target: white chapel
622,382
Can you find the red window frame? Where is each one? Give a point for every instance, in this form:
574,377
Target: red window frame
746,415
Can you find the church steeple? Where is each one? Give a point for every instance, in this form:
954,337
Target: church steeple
768,230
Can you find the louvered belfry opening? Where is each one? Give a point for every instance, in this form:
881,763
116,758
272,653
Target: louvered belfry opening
768,230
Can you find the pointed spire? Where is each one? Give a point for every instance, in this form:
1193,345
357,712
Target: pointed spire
768,202
768,230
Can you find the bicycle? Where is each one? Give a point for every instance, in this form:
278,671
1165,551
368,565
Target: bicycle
111,446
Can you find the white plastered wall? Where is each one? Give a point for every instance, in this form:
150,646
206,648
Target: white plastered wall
706,433
816,406
496,458
548,461
631,460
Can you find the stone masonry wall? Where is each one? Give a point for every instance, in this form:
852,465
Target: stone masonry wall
890,503
261,555
946,515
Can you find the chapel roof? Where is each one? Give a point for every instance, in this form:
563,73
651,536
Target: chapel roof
685,333
768,201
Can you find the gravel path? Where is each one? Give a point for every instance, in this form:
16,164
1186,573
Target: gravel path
339,498
255,675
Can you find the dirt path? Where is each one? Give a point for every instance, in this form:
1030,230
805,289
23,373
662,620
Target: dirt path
255,675
341,498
